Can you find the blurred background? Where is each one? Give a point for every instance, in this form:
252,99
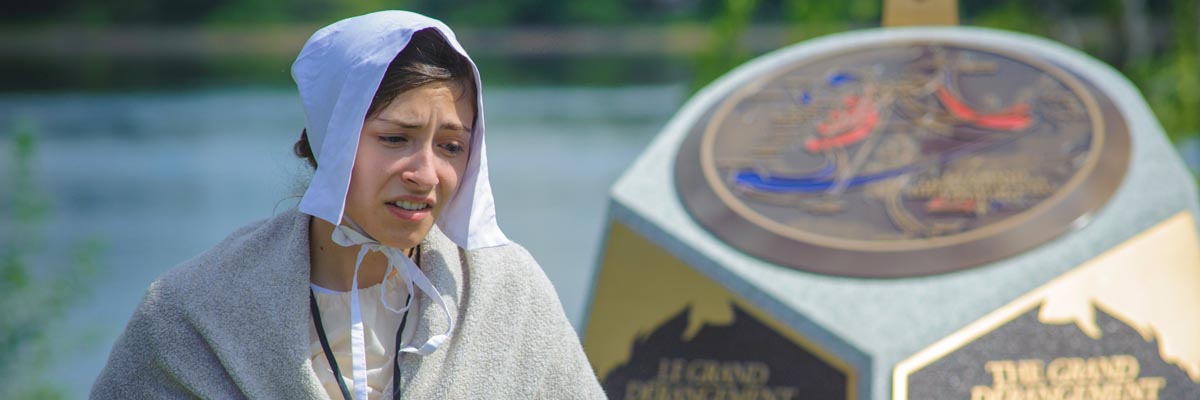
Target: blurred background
135,134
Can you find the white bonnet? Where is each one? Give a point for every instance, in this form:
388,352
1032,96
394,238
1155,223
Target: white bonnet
338,72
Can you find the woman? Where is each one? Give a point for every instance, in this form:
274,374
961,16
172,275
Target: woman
391,278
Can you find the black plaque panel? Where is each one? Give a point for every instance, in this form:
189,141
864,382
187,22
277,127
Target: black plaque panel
743,360
1028,359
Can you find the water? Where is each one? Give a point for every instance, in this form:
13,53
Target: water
159,178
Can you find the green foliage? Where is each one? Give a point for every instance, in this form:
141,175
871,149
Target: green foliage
725,51
1172,88
349,8
259,12
1171,82
598,12
809,19
1020,16
803,12
32,296
482,14
806,19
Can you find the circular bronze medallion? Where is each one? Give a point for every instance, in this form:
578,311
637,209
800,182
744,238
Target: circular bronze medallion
902,160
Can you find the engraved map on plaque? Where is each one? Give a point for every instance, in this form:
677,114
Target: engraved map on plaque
902,160
662,330
1121,326
1055,361
744,360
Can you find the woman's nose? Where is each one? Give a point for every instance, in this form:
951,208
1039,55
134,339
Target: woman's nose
418,168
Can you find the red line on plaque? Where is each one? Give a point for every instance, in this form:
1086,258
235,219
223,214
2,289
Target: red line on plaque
847,125
1013,118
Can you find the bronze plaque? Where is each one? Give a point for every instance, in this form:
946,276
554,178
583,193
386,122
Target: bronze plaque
903,160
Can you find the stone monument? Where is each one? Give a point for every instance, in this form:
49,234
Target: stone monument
924,212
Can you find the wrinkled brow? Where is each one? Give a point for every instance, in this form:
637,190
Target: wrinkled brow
406,124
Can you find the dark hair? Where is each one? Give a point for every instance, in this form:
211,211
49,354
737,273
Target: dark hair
427,58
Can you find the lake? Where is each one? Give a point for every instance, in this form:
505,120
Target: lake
157,178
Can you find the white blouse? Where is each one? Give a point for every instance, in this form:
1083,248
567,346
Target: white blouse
379,328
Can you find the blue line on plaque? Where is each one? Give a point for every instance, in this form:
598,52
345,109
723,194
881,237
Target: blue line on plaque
840,78
805,98
777,184
823,174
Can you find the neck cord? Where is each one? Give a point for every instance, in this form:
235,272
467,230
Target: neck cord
337,372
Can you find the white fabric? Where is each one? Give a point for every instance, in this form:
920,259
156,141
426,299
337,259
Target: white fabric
337,73
410,273
379,335
350,235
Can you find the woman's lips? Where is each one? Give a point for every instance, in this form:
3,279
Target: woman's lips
409,215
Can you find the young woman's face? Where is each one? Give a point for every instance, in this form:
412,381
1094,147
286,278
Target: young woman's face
411,156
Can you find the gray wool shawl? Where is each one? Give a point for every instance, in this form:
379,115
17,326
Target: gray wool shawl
233,323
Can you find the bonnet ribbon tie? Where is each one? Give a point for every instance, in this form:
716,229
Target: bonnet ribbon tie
347,237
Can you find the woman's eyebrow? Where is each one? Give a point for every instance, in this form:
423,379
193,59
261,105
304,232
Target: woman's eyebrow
454,126
450,126
408,124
